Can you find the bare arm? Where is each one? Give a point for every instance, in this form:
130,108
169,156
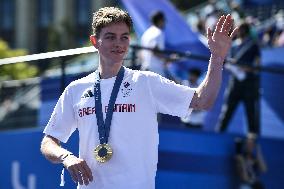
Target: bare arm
78,168
219,43
51,149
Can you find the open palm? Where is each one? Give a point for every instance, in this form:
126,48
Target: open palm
220,41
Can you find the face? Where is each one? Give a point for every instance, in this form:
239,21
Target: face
113,43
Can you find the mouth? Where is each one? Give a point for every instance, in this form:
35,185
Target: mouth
120,52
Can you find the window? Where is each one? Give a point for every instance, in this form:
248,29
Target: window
83,20
45,12
83,12
7,21
7,14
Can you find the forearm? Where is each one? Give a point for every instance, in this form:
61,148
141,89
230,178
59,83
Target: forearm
51,149
78,168
207,91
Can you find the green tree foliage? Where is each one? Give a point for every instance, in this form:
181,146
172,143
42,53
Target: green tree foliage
19,70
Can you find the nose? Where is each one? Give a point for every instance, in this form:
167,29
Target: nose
119,43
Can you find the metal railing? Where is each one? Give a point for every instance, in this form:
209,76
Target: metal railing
132,57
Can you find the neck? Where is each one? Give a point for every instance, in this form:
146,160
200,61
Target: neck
108,71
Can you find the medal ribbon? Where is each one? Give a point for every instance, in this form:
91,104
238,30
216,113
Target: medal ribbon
104,126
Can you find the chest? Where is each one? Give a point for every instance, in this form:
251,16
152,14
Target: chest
131,102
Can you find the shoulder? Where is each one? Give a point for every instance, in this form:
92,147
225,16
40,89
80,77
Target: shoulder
152,31
141,76
82,82
139,73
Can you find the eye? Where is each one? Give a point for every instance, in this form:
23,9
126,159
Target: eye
125,38
110,37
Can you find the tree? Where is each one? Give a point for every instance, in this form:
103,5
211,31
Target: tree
21,70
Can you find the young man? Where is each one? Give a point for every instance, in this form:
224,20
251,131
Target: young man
115,109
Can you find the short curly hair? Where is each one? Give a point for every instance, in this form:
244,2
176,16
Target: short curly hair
107,15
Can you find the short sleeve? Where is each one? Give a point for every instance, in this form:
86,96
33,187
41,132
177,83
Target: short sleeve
169,97
62,122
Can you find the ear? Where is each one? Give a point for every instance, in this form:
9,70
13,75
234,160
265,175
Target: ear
93,40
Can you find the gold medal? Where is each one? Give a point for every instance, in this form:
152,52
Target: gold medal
103,153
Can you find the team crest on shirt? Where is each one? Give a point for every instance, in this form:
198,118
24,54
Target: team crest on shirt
126,89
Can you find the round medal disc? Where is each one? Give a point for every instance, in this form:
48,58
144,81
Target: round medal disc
103,153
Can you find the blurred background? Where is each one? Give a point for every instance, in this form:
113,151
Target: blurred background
189,156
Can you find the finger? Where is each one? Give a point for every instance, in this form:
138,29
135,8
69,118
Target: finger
209,35
85,180
83,175
219,24
76,174
234,33
79,174
227,24
80,177
73,174
88,171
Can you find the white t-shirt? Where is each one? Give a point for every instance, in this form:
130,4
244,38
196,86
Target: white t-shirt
151,38
134,128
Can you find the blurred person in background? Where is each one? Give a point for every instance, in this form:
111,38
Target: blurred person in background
250,163
196,118
154,37
279,27
115,108
268,38
244,82
279,41
211,19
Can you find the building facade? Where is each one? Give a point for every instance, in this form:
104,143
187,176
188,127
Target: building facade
44,25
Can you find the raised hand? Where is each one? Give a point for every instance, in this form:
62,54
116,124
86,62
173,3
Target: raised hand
220,41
